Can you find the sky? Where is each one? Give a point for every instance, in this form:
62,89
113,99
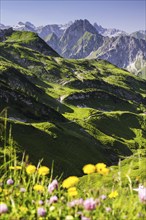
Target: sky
127,15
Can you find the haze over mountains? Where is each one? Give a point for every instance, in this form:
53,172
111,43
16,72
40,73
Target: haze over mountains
81,39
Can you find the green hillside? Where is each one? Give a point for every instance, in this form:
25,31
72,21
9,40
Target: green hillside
71,112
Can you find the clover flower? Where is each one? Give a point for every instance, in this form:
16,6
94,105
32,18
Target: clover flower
70,181
89,168
43,170
89,204
52,186
108,209
41,212
76,202
3,208
141,193
10,182
53,199
22,189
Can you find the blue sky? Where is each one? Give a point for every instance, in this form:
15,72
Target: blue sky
128,15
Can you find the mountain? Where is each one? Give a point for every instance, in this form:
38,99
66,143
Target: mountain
110,32
27,26
139,35
2,26
125,52
72,112
79,40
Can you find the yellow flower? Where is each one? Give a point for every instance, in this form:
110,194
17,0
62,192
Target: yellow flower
30,169
72,191
23,209
89,168
105,171
70,181
113,194
100,167
15,168
43,170
38,187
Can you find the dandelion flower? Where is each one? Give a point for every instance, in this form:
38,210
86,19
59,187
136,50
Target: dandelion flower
113,194
70,181
38,187
100,167
72,191
3,208
89,168
30,169
43,170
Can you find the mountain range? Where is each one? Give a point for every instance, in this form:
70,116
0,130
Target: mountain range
69,111
81,39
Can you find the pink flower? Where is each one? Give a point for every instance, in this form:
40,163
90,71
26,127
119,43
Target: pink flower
52,186
76,202
85,218
89,204
41,212
103,197
53,199
108,209
141,193
3,208
10,182
22,190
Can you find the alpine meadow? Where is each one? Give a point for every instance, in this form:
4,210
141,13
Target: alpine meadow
72,122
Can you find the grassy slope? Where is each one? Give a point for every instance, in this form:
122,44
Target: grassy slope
108,122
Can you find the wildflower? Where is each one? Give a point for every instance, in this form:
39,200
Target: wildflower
41,212
53,199
103,197
52,208
75,202
10,182
85,218
70,181
113,194
69,217
101,168
72,191
108,209
141,193
3,208
89,204
40,202
43,170
30,169
22,189
23,209
38,187
52,186
15,167
89,168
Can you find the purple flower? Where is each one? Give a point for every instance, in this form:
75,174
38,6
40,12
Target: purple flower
10,182
53,199
89,204
52,186
85,218
41,212
108,209
3,208
103,197
22,190
141,193
76,202
40,202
